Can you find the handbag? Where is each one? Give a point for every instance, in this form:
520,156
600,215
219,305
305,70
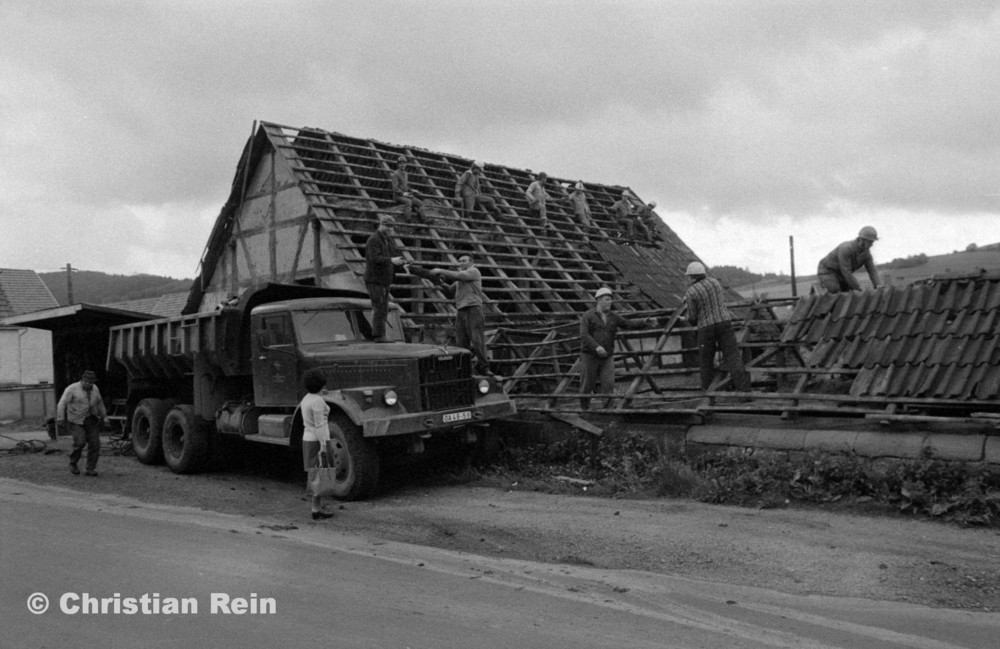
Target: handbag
322,480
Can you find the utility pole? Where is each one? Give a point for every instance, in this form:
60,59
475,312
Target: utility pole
791,253
69,283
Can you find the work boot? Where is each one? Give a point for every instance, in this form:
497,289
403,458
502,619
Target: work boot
74,469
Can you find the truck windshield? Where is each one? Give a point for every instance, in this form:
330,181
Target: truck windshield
324,327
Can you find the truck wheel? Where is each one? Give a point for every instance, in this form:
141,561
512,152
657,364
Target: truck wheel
355,460
147,430
185,443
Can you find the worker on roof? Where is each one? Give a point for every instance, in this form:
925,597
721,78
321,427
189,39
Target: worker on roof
578,199
401,192
538,198
469,191
627,218
648,220
598,328
706,309
836,270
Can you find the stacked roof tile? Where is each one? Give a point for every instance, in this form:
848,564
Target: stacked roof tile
936,339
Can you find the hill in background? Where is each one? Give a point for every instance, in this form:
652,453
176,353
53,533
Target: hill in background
94,287
898,272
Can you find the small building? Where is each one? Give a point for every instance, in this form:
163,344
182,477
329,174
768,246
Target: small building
25,352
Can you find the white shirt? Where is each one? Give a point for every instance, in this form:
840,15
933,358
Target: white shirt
315,418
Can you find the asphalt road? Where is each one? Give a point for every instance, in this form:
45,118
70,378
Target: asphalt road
329,589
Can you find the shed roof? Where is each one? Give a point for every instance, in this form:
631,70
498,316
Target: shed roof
23,291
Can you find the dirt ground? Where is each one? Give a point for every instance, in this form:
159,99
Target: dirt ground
799,551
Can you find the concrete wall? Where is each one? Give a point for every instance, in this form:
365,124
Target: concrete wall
25,356
32,402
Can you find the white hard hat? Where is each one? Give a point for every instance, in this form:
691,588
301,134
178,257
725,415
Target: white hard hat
579,185
652,203
695,268
601,292
479,164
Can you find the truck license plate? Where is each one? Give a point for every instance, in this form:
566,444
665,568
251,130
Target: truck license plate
457,416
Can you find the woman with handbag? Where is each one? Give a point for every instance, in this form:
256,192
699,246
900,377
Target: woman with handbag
315,439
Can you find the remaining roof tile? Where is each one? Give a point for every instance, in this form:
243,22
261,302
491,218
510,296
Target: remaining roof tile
937,339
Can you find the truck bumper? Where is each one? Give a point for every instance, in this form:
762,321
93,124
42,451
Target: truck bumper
381,423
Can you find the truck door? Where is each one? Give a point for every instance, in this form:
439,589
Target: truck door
275,361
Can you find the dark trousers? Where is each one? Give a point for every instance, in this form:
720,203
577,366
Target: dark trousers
379,295
595,372
832,282
86,435
469,333
720,336
486,202
410,202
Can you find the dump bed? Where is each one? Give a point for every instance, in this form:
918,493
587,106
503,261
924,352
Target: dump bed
167,348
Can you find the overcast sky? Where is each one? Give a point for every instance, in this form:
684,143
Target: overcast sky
121,123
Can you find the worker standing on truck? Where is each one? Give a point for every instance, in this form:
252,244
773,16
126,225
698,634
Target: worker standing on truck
381,259
836,270
598,329
316,432
81,409
706,310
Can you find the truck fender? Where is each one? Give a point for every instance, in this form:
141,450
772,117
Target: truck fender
349,407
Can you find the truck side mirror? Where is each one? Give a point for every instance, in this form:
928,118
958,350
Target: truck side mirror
264,338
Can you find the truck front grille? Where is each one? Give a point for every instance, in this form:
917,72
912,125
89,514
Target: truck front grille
446,381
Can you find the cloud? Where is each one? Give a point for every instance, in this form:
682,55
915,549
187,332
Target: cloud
751,115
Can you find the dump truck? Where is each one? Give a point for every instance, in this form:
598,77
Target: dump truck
195,380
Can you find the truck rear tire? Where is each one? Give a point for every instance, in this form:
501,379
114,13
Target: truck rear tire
185,443
147,430
355,459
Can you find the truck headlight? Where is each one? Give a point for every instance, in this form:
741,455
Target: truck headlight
484,386
390,398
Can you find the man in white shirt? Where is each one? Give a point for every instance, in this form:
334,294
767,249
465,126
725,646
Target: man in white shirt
81,409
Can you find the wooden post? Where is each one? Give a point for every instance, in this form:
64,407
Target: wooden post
791,254
69,284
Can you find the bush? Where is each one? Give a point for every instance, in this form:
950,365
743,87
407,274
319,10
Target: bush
964,493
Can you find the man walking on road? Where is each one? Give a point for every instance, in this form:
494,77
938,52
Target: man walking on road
836,270
81,409
706,309
381,259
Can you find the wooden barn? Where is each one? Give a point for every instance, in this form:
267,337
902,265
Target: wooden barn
304,201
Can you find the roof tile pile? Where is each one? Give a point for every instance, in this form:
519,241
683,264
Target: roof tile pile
937,339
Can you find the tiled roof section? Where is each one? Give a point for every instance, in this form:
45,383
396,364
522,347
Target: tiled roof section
936,339
23,291
164,306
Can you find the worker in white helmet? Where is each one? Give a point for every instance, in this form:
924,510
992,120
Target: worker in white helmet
706,310
578,199
836,270
598,329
